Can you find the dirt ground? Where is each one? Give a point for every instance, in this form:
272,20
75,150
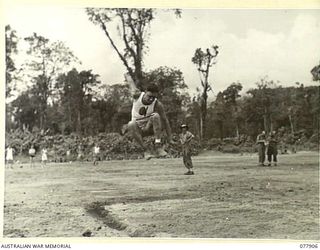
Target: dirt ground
228,197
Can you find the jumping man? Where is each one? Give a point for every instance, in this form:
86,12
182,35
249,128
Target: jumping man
148,118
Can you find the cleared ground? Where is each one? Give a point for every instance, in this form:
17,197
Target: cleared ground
228,197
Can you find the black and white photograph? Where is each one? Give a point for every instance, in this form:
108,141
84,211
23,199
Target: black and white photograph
161,123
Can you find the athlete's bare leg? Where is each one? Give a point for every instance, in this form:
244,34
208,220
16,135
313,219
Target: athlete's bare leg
152,126
136,134
155,123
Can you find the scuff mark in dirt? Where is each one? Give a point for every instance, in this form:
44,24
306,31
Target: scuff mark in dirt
111,220
142,199
100,210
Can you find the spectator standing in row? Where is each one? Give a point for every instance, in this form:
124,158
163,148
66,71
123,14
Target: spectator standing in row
68,156
44,157
80,153
9,156
32,154
272,150
261,142
96,154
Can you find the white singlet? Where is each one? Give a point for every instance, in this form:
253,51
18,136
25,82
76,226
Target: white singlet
140,111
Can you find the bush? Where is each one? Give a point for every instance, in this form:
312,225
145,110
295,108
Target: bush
212,144
113,146
231,149
314,138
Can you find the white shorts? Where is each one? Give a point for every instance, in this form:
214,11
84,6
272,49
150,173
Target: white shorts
9,158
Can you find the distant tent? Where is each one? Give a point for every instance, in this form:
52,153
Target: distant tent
316,73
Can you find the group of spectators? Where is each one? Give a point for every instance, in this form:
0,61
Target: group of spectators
44,155
267,144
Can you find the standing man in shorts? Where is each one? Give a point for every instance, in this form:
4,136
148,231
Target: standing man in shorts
261,142
68,155
9,156
185,138
32,154
148,118
44,157
80,153
96,154
272,150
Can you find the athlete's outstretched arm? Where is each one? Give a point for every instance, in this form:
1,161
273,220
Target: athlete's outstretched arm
134,88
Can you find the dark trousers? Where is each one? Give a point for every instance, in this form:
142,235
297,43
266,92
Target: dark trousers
272,151
187,158
262,152
274,157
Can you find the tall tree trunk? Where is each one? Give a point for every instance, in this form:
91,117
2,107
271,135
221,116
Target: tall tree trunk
42,116
200,126
79,123
138,65
41,121
234,116
221,129
44,127
291,123
237,130
246,125
203,108
265,121
70,117
203,119
315,123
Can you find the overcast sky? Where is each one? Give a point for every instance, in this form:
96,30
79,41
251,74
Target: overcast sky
281,44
